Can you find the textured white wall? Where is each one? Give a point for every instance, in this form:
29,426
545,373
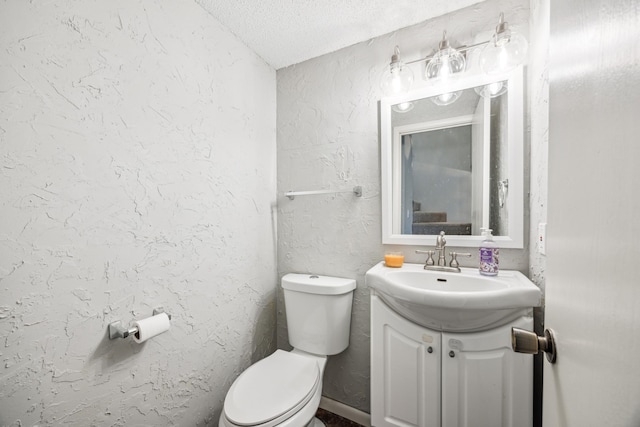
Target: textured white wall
137,169
328,138
539,125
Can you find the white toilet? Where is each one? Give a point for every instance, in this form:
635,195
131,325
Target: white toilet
284,389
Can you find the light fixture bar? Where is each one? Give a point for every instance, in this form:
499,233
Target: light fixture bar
504,51
459,49
501,29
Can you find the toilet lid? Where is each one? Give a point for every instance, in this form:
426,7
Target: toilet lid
271,388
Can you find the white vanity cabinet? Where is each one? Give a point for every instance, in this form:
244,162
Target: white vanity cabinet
422,377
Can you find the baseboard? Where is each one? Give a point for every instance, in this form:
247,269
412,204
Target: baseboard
353,414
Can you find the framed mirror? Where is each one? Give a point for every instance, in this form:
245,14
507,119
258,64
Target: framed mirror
452,161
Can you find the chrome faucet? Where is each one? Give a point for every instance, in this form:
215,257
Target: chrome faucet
441,244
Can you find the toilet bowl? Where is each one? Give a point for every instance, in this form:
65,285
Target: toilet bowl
284,389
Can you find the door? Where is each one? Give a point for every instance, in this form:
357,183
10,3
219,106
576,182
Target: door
405,371
485,383
593,234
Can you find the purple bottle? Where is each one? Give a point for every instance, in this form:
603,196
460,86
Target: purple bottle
488,254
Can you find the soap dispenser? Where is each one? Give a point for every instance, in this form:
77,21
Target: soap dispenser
488,254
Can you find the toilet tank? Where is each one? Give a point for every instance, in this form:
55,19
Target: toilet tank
318,312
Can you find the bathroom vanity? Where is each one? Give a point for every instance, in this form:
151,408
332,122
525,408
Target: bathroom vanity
441,356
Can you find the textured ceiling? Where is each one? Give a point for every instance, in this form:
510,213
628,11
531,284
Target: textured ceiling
286,32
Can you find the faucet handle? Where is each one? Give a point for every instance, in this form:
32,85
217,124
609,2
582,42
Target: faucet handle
454,258
430,254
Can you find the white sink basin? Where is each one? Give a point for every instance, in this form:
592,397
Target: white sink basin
458,302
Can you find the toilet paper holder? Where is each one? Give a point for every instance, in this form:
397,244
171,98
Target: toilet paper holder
116,330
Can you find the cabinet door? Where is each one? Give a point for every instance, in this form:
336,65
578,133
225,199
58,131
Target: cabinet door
405,370
484,382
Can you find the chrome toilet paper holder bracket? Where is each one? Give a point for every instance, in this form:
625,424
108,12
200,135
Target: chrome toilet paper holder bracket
116,330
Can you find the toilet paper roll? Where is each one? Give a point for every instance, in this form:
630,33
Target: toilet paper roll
151,326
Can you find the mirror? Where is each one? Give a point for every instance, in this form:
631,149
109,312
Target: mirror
452,161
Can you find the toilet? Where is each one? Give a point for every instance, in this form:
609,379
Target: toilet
284,389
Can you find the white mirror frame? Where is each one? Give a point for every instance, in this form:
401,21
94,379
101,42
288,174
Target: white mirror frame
515,137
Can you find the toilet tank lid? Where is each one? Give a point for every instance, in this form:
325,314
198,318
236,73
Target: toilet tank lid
316,284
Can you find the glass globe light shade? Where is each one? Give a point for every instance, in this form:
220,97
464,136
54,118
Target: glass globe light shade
505,51
445,62
446,98
397,78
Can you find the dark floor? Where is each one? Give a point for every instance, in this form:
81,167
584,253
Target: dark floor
332,420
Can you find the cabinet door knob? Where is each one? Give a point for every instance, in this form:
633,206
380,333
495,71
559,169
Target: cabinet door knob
430,350
452,354
523,341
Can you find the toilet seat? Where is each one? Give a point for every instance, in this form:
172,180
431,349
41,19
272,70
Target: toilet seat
272,390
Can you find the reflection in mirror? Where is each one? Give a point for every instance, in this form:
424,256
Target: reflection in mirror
449,166
433,160
443,158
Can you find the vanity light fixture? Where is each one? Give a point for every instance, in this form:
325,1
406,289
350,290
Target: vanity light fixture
445,62
398,78
505,51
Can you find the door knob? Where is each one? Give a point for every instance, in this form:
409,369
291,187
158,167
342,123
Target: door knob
523,341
